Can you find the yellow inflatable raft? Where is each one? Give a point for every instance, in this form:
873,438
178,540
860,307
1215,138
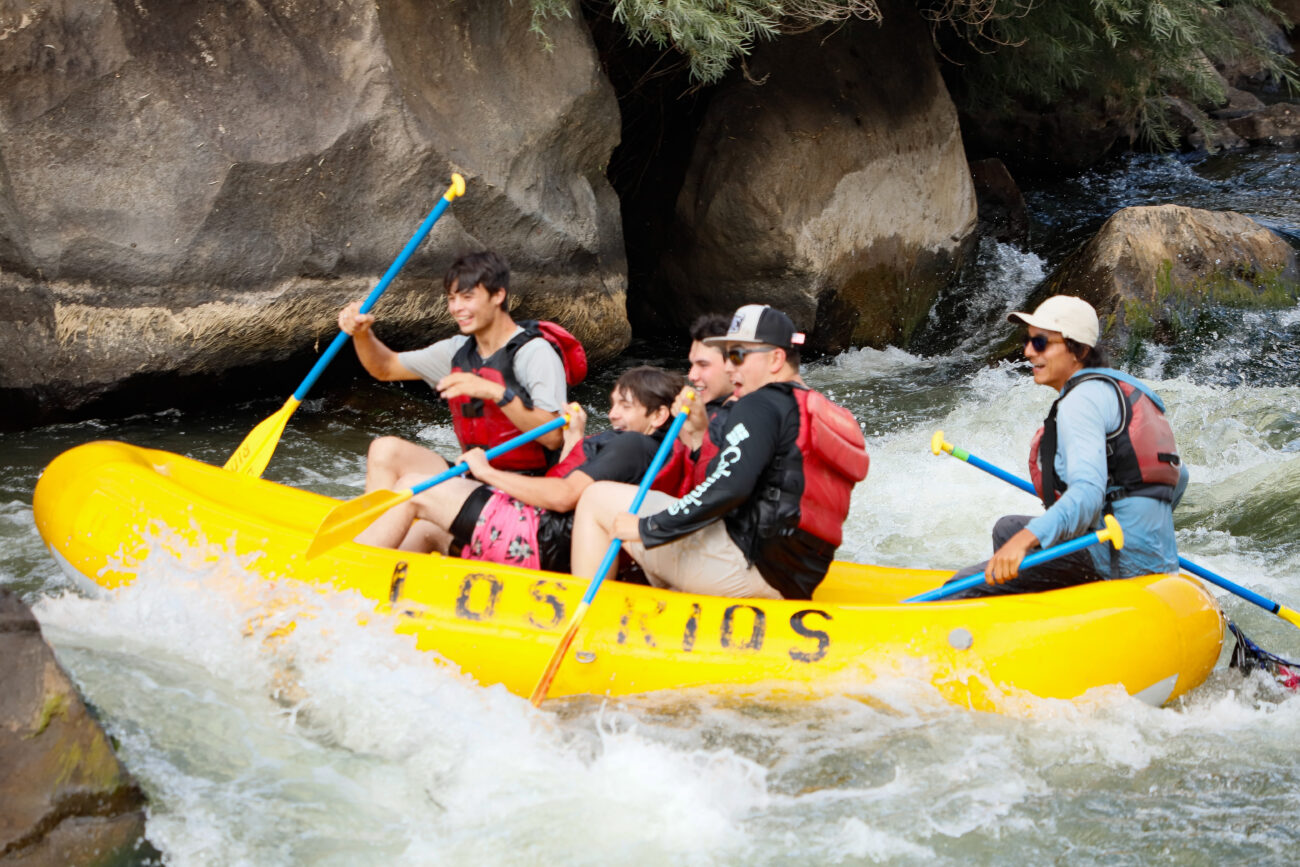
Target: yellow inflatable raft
99,506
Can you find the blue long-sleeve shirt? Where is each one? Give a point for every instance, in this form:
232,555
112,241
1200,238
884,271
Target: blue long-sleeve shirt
1083,418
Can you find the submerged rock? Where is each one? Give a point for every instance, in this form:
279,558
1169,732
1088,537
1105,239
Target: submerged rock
1003,213
1197,131
1149,269
64,796
191,187
1275,126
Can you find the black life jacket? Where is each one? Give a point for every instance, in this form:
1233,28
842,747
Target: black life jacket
482,424
1141,456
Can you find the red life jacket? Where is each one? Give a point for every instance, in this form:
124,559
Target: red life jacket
482,424
791,518
708,450
834,460
1141,456
673,478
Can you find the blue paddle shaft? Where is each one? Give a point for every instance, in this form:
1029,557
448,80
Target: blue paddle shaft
655,466
493,453
1034,559
1249,595
1200,571
1031,560
1002,474
411,246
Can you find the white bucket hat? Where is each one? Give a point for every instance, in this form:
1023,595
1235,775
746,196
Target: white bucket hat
1072,317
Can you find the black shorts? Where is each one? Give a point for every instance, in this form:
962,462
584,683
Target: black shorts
462,529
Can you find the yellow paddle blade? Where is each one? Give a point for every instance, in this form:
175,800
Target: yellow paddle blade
1288,615
544,684
254,453
344,522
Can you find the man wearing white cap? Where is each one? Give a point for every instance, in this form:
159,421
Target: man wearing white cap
767,518
1105,447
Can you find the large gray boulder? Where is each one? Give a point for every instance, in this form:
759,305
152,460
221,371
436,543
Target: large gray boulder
64,796
829,181
1149,269
192,186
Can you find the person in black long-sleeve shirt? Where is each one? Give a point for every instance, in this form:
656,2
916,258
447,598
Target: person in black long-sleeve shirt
755,526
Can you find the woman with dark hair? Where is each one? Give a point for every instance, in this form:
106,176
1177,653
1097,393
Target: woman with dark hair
1104,448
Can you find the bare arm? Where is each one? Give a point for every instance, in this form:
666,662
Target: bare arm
697,420
378,360
557,495
575,431
1005,563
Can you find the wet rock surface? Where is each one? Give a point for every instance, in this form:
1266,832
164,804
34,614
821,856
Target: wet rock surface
1149,269
64,796
194,187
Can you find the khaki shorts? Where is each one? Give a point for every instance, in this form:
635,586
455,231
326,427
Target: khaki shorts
706,562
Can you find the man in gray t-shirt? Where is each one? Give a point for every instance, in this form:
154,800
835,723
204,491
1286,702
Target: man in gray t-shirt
500,388
537,366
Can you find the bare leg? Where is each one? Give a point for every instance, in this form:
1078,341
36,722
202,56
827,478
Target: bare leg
442,503
439,505
390,528
593,523
425,536
390,458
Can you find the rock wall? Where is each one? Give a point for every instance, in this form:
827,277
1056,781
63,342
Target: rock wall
192,186
64,797
829,181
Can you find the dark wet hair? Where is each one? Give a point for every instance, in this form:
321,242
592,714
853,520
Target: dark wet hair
710,325
1089,356
487,269
652,387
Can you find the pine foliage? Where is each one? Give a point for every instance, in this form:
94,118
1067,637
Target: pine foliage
1130,53
712,35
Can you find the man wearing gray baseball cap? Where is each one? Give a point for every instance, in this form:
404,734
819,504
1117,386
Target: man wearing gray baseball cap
1105,447
768,516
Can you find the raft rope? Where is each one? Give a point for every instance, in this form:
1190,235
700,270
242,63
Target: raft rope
1248,656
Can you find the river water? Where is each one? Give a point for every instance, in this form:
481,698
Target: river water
379,756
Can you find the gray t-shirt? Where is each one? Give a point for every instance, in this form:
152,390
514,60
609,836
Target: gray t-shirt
537,367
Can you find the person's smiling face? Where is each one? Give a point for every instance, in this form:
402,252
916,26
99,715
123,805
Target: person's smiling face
1054,364
708,372
474,311
626,413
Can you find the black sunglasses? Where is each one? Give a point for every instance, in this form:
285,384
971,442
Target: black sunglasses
1040,342
737,354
